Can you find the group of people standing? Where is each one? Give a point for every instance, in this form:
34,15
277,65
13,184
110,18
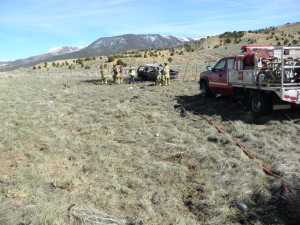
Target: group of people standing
117,74
163,78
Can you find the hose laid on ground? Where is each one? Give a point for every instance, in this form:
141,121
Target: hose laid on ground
267,171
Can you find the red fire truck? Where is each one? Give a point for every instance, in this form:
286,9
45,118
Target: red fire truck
268,77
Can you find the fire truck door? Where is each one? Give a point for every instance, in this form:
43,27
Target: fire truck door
219,78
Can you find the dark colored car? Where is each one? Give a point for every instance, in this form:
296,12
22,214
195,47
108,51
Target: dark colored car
150,71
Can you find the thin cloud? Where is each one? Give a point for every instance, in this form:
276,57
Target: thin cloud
20,40
118,2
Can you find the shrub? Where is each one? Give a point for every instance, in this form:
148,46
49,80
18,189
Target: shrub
120,62
71,67
227,41
237,41
188,48
286,41
252,41
110,58
234,34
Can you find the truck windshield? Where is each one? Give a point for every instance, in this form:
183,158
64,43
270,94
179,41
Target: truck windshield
220,65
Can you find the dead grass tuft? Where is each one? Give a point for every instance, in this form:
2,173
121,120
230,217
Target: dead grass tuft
87,216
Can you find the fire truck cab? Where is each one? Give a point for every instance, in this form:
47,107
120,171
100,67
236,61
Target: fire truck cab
269,78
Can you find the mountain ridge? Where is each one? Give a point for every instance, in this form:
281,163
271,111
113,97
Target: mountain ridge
102,46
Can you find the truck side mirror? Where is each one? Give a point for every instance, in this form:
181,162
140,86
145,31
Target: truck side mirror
209,68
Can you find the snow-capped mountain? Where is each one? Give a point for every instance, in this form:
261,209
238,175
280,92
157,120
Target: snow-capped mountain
137,42
102,47
63,50
57,51
3,63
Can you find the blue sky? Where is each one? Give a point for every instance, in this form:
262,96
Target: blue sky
31,27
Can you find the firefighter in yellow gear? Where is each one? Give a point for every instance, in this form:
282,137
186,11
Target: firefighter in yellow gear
103,75
167,74
131,76
158,81
120,74
115,73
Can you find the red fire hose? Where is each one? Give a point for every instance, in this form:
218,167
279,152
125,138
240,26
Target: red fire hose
267,171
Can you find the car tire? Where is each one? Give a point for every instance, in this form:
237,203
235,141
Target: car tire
204,89
260,104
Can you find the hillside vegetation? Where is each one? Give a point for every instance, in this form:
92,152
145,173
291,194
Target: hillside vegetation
288,34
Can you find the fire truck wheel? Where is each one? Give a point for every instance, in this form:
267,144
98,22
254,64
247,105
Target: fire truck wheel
260,104
204,89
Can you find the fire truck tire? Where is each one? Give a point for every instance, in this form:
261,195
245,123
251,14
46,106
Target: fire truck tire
204,89
260,104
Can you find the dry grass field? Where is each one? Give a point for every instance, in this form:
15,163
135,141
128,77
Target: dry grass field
73,151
